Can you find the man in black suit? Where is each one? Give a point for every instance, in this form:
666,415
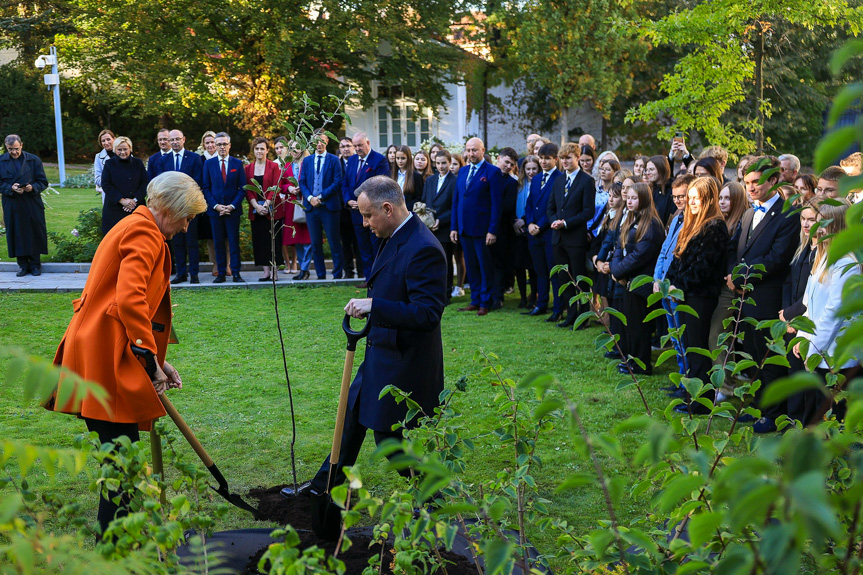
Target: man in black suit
768,237
404,347
182,160
570,207
437,196
350,248
502,249
154,163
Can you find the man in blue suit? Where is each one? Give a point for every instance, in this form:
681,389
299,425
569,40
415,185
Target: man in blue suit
224,178
154,163
191,164
321,187
407,289
365,164
476,207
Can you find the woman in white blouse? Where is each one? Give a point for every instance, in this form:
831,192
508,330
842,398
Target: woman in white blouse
106,140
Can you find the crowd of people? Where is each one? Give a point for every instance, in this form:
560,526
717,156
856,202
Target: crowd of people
504,223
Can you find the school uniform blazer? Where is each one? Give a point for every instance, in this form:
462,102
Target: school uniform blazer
536,209
375,165
272,174
576,208
417,196
192,165
772,244
408,290
794,286
331,182
639,258
224,193
440,203
126,300
476,208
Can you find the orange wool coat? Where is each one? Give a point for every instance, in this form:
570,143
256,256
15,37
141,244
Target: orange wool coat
126,299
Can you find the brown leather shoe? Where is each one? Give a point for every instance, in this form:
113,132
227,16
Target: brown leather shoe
468,308
482,311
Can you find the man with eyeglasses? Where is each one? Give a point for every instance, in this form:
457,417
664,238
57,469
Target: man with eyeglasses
224,178
191,164
22,180
154,163
828,182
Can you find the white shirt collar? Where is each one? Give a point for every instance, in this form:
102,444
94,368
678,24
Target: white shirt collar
769,203
320,155
550,172
401,225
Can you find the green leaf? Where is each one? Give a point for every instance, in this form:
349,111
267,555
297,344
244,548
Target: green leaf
702,527
786,387
497,554
851,49
576,480
683,308
10,503
831,146
676,489
846,98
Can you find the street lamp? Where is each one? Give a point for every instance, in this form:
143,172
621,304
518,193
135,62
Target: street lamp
53,80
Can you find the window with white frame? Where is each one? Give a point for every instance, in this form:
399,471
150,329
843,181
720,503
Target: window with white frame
403,123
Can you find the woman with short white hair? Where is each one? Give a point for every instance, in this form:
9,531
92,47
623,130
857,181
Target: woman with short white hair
124,181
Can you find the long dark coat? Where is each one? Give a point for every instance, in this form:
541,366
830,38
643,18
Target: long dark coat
24,214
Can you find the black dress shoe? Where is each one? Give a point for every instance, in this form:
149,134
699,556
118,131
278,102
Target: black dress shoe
21,273
697,409
612,354
266,279
179,279
536,311
238,278
565,325
622,368
522,304
302,275
554,318
496,305
220,279
36,271
677,394
194,279
303,490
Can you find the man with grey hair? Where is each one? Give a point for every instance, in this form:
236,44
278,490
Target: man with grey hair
789,165
22,180
407,290
224,179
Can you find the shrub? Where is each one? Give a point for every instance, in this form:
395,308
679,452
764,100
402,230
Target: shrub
87,180
81,243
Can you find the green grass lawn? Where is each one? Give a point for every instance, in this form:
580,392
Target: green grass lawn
53,173
234,394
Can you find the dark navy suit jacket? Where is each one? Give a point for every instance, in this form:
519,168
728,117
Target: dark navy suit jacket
228,192
441,203
376,165
408,289
575,208
331,182
536,209
192,165
154,164
476,208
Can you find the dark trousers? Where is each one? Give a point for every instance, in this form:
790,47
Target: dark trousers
635,338
227,226
320,221
504,263
480,270
575,258
755,344
353,435
29,262
350,248
109,431
697,334
523,268
262,241
449,251
186,244
542,256
804,404
367,243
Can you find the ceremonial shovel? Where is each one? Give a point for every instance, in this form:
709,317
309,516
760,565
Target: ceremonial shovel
326,515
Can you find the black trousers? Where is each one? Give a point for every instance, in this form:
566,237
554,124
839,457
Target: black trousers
575,258
353,435
697,334
29,262
109,431
449,250
350,247
635,337
262,242
755,344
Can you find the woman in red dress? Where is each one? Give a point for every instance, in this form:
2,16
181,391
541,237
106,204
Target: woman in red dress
296,243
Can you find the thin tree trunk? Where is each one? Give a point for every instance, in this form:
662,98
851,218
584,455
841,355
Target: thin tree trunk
485,105
564,125
759,86
602,137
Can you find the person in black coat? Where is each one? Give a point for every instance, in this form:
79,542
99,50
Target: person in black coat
635,252
697,270
502,249
657,173
768,237
22,181
803,405
404,348
124,181
570,207
437,196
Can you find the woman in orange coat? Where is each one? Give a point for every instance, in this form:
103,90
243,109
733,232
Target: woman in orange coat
266,209
119,332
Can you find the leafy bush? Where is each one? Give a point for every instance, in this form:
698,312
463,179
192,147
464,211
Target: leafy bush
86,180
81,243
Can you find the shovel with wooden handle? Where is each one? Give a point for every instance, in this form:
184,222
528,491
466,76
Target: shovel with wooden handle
326,515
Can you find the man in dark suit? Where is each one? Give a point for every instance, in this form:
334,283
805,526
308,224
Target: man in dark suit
404,305
768,237
570,207
502,250
539,232
476,207
224,178
320,186
437,196
366,164
350,250
154,163
191,164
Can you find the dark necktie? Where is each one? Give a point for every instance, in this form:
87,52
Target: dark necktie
360,167
224,172
544,178
568,185
177,162
470,175
318,166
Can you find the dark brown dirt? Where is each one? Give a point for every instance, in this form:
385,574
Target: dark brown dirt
357,557
276,508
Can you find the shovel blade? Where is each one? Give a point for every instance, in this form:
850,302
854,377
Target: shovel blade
326,517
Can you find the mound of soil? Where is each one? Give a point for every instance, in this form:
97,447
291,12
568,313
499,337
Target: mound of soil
276,508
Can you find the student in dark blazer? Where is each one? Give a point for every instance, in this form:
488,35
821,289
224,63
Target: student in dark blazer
570,207
409,180
185,243
321,185
502,251
404,306
437,196
365,164
476,209
154,162
539,232
769,237
224,178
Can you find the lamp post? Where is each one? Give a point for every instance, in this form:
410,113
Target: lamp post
53,80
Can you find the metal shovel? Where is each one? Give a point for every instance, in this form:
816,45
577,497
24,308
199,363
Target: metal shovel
326,515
